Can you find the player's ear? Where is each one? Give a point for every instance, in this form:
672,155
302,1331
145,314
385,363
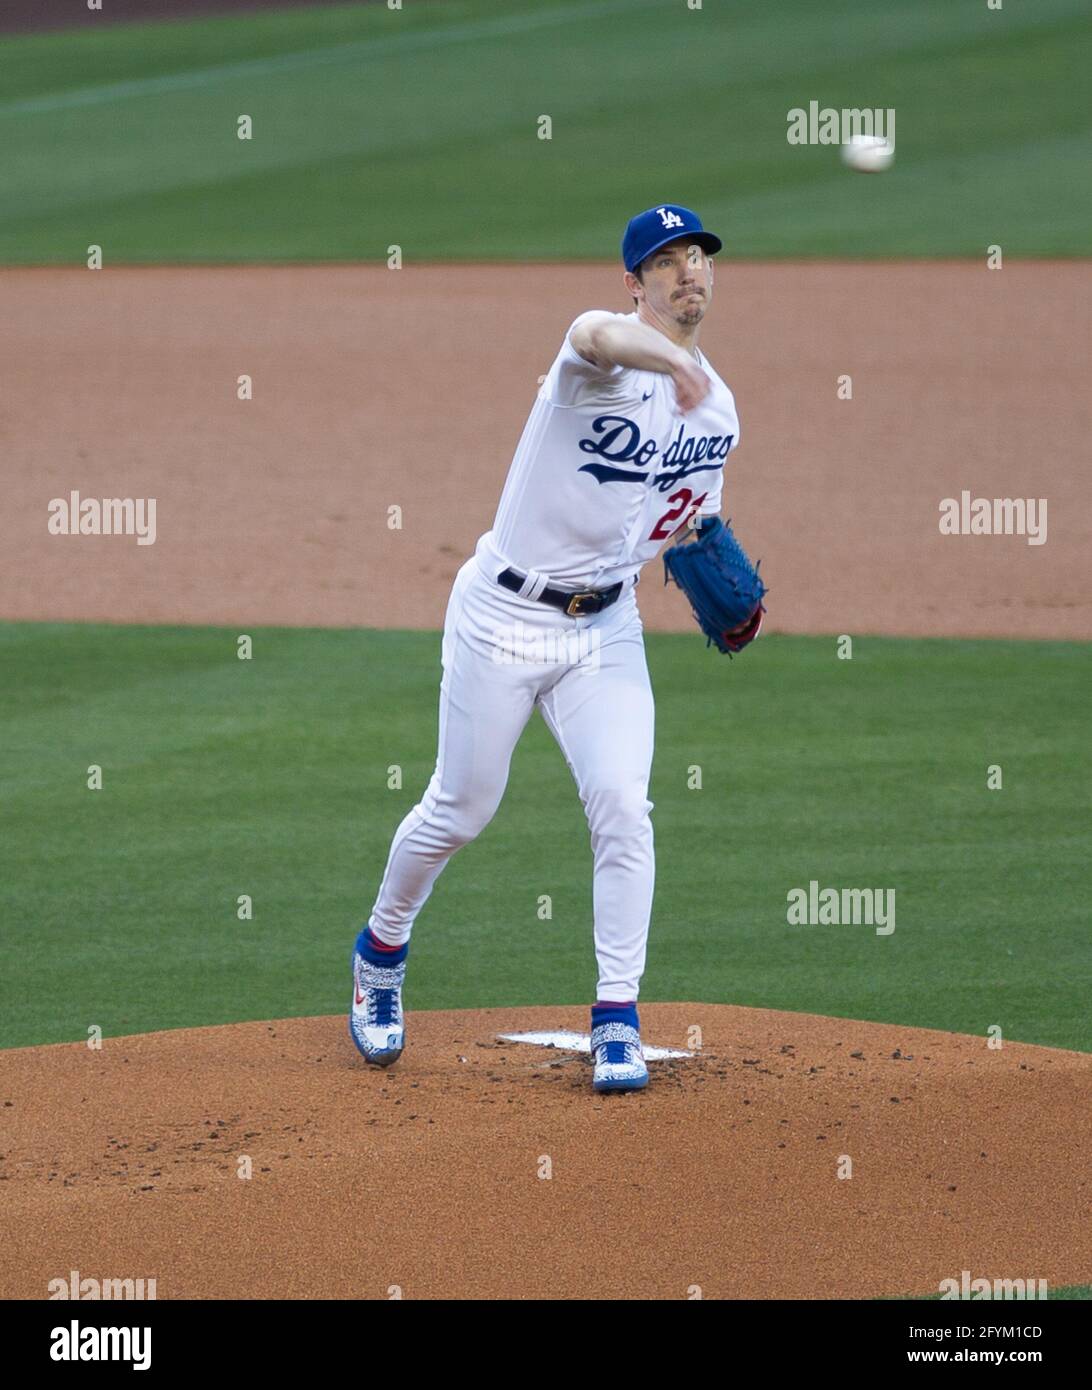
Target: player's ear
632,285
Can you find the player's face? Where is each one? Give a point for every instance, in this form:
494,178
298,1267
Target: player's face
678,282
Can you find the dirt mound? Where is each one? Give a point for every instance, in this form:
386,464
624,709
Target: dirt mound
476,1168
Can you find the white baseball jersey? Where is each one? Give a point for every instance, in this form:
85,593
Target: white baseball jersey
606,470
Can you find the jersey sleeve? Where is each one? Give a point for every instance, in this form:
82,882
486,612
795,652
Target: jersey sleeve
573,381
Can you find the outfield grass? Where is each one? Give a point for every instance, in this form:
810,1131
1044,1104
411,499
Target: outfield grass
419,127
269,778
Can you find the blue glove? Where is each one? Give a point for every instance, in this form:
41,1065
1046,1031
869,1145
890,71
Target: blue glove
723,587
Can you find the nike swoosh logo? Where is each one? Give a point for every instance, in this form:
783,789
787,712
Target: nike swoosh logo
356,991
645,398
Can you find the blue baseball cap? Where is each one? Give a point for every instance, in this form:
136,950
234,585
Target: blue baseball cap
650,230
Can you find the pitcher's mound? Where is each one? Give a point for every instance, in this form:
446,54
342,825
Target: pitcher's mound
791,1157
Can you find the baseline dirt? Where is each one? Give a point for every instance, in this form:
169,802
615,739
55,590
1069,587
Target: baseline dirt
125,1162
374,388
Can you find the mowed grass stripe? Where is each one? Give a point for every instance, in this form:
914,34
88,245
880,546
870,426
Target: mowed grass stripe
304,60
371,125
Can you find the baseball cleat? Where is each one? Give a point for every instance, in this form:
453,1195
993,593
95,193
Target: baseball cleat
619,1060
376,1022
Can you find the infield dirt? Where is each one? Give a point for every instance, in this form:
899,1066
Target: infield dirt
375,389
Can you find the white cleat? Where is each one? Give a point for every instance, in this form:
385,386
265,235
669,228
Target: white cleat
619,1060
376,1022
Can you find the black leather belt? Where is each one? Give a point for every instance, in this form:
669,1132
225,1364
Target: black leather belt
577,605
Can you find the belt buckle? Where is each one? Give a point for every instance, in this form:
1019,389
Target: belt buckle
576,599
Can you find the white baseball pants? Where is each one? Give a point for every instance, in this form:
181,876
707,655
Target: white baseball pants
502,656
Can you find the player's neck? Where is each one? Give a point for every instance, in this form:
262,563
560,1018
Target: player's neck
680,334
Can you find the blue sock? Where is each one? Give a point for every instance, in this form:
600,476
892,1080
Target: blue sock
371,948
615,1013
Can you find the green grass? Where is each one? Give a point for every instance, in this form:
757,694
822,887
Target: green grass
418,127
269,778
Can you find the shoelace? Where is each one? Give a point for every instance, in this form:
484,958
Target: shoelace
381,1007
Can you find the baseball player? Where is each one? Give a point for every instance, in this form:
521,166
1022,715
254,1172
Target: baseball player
625,444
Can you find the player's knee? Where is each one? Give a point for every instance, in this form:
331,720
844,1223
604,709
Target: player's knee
464,819
466,827
622,811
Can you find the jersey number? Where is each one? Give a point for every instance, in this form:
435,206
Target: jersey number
687,502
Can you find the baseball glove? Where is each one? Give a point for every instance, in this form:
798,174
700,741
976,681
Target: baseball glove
724,588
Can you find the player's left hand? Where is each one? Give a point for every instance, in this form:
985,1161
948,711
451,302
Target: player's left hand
723,587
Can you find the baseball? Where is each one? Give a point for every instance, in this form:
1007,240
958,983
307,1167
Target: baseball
868,154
